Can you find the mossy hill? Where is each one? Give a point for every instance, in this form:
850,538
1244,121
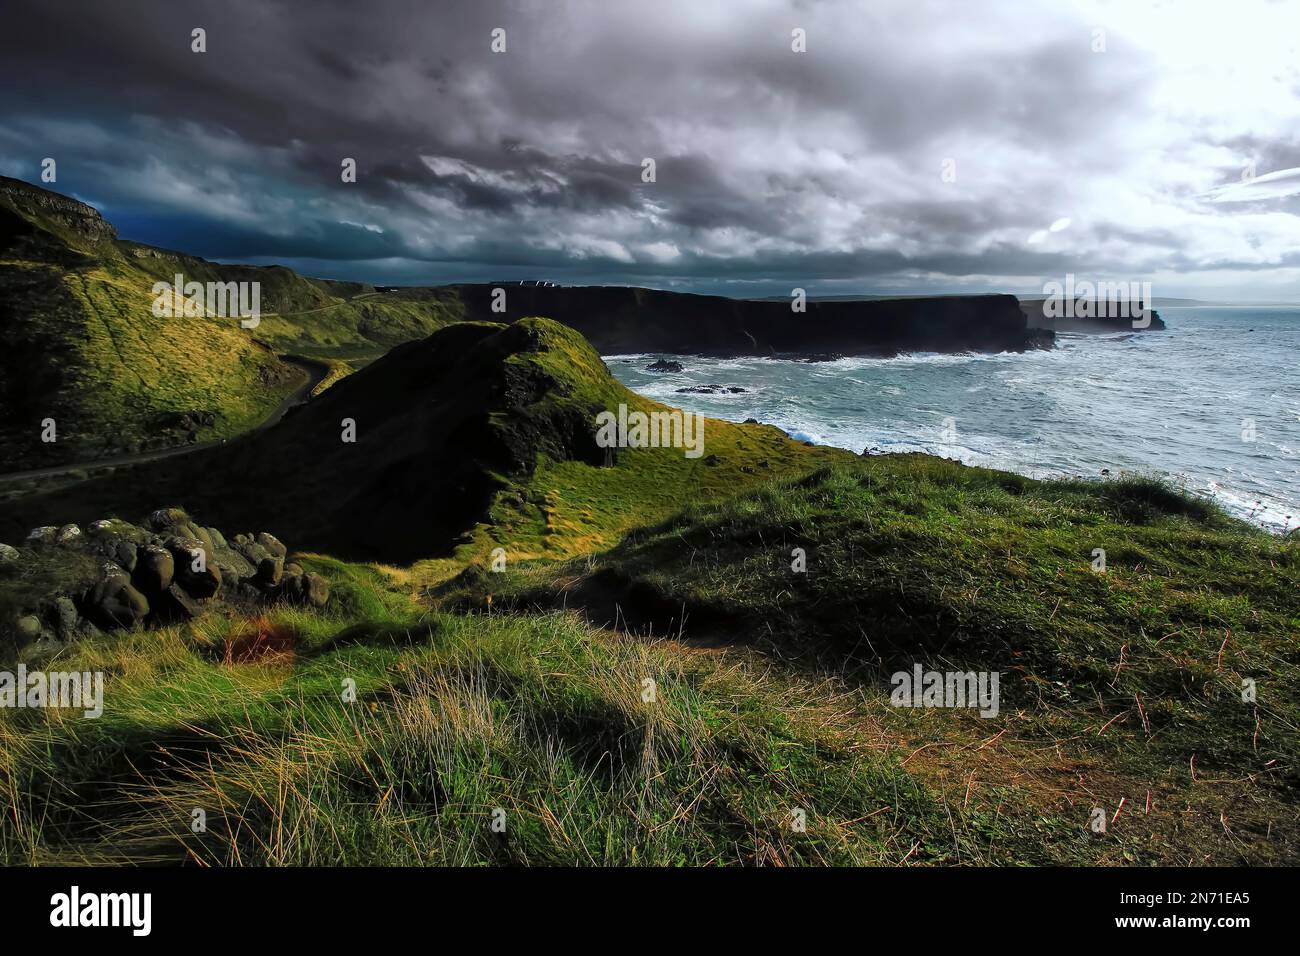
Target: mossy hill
1123,691
82,347
481,435
79,343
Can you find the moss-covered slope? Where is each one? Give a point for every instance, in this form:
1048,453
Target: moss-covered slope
80,344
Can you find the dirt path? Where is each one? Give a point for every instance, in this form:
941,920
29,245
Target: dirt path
314,373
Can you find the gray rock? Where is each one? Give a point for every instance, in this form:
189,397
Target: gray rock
65,618
113,602
42,536
8,555
310,590
233,565
118,550
176,605
68,534
157,568
270,571
271,543
254,553
164,519
201,582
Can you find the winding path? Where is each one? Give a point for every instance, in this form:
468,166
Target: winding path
314,371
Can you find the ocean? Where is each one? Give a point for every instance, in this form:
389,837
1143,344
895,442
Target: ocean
1212,403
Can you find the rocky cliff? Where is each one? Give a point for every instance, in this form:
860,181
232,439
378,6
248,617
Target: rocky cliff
617,320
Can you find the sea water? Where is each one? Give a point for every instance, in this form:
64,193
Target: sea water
1212,403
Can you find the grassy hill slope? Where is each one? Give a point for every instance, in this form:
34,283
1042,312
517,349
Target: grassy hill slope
81,345
479,436
649,680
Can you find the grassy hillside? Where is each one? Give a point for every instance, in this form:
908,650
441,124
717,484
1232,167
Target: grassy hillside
648,680
1122,692
479,436
81,344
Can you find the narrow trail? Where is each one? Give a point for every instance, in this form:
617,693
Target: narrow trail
314,373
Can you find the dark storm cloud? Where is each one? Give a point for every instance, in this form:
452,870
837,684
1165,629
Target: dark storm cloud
772,167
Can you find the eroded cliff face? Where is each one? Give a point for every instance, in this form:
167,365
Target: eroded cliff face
1091,317
617,320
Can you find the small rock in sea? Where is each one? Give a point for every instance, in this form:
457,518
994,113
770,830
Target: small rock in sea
711,389
663,365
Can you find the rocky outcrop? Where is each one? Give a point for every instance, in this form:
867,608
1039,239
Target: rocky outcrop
64,210
63,584
1091,316
625,320
664,365
710,390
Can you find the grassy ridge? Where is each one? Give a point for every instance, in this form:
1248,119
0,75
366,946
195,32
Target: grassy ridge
82,346
459,719
525,691
1122,692
1136,673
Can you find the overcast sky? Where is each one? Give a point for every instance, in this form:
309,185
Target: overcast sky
914,146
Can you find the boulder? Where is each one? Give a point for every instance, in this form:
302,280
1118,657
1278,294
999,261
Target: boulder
309,590
68,534
118,550
269,572
271,543
65,617
164,519
113,602
29,628
155,571
252,552
201,581
175,605
8,555
42,536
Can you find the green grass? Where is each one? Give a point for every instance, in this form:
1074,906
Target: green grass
458,718
1136,673
82,345
778,704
